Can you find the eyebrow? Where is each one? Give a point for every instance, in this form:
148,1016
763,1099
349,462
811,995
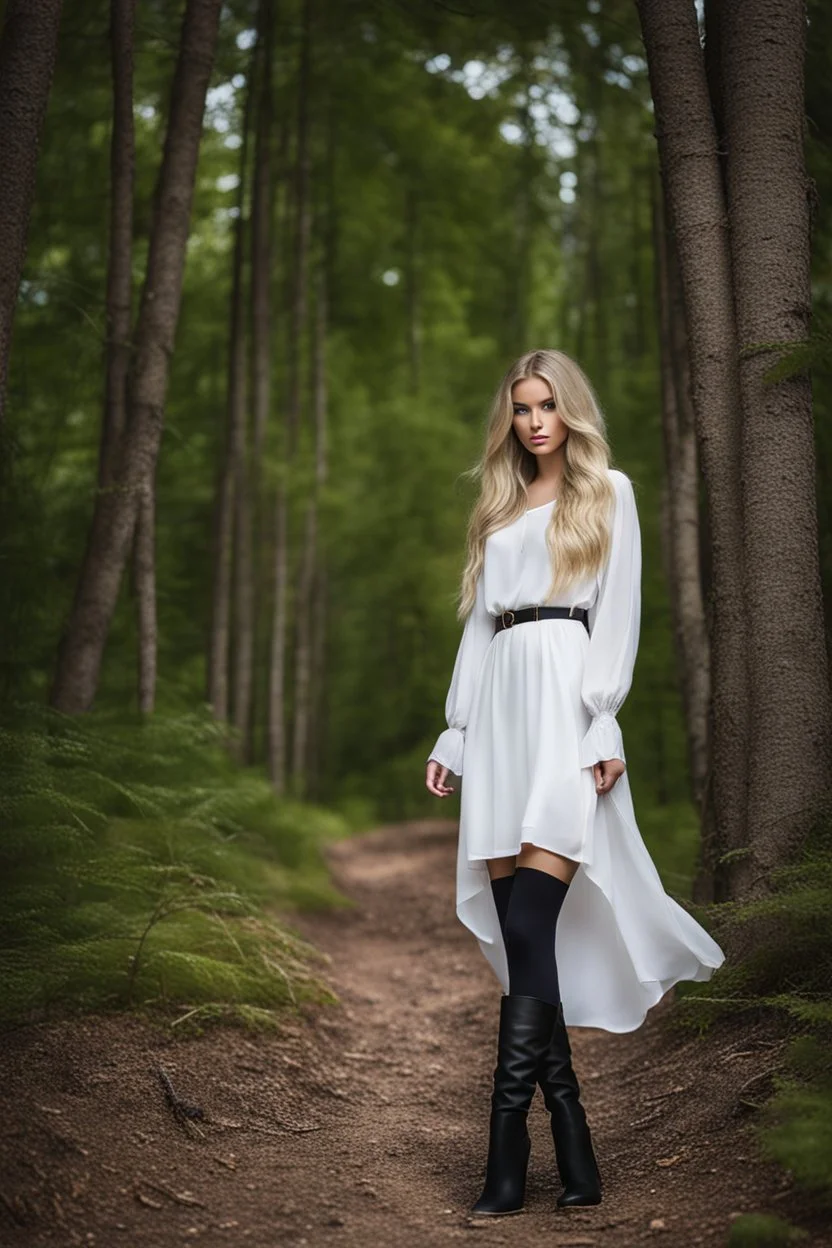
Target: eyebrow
520,403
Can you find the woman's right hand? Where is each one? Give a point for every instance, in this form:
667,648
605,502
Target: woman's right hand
435,777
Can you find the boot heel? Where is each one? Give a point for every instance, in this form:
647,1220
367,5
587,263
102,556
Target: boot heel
509,1147
576,1161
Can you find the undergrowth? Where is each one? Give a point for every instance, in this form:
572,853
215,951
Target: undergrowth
783,967
138,870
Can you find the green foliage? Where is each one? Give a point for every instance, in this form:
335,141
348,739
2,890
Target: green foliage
138,866
796,1126
786,967
431,133
762,1230
786,938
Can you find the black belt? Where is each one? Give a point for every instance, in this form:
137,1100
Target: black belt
507,618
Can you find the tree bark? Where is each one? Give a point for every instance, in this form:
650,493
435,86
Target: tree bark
261,234
320,687
689,159
144,580
28,49
277,676
120,266
228,492
305,613
250,485
789,767
81,652
682,541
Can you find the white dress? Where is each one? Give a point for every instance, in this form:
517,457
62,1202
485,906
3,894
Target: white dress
531,709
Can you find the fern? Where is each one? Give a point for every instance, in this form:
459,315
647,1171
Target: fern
137,863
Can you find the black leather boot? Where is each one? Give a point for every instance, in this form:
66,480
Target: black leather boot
526,1025
577,1165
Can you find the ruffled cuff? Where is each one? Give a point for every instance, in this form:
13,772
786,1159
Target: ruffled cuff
449,749
603,740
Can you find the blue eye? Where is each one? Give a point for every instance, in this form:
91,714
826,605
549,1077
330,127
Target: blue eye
521,411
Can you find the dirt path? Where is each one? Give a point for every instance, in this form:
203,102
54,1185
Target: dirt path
366,1124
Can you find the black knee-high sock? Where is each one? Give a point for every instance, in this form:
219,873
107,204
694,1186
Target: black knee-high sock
501,888
531,923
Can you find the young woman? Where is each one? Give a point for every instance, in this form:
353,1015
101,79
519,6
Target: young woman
553,877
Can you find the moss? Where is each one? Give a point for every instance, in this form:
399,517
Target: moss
762,1230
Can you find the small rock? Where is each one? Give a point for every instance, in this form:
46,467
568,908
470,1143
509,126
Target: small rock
658,1224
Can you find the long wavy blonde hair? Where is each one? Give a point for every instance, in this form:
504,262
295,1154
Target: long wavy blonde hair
578,532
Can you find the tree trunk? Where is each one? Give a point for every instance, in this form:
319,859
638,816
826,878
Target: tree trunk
227,499
235,449
682,531
28,48
305,613
120,268
119,313
599,353
261,234
250,491
82,648
789,767
320,615
320,686
689,158
144,580
277,675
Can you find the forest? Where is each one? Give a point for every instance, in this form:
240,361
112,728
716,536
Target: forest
263,264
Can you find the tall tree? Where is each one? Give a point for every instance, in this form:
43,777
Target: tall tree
790,754
250,463
120,261
230,484
28,48
741,233
681,528
305,596
82,647
277,735
689,157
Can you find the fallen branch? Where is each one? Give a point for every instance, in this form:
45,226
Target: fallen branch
183,1112
180,1198
254,1126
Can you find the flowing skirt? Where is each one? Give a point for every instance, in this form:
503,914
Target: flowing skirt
621,940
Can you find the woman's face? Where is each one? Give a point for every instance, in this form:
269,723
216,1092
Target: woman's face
537,421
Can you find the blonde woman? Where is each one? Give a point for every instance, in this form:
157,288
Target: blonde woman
553,877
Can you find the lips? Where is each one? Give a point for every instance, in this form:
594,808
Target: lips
544,438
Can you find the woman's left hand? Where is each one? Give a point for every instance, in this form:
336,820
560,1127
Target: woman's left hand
606,773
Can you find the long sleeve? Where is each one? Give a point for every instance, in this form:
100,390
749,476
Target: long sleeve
614,622
476,636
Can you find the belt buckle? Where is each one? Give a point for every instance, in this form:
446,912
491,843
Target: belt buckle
507,623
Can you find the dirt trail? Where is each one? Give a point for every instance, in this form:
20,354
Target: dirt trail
366,1123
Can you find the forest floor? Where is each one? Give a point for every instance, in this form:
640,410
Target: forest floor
366,1122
